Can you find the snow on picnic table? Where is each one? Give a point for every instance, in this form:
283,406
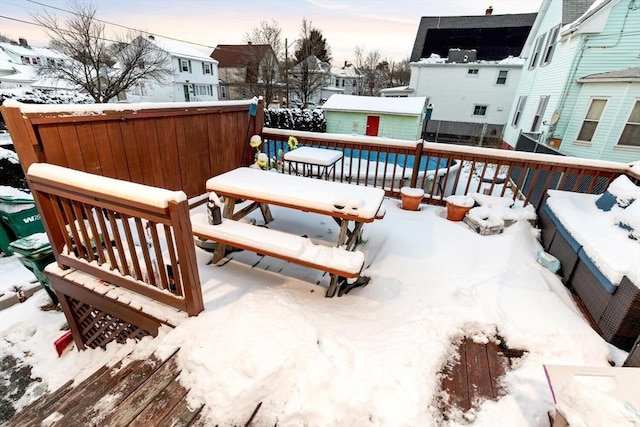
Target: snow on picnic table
371,357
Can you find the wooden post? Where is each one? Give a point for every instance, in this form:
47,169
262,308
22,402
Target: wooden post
416,165
23,136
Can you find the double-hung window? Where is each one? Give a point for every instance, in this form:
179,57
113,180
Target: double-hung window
631,133
591,120
542,105
206,68
550,46
519,109
502,77
185,65
473,72
536,52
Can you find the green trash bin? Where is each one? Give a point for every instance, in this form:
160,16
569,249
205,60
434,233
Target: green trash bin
18,212
35,254
6,237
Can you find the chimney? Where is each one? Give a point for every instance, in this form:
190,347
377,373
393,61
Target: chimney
249,43
489,10
23,42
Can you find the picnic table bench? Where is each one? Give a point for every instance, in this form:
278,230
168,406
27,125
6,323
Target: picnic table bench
345,203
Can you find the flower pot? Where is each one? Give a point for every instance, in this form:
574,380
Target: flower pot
458,206
411,198
456,212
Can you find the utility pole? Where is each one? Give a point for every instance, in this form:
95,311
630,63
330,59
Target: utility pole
286,71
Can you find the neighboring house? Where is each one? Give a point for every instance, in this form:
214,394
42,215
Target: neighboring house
18,67
467,67
308,78
579,94
492,36
248,70
471,100
344,80
399,118
194,77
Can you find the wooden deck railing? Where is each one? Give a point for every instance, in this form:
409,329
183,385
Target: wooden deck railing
391,164
126,234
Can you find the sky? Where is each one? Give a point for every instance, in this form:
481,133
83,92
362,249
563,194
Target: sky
371,357
389,26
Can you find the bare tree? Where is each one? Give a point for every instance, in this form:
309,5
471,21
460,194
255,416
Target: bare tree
263,63
310,73
5,39
401,73
368,64
102,66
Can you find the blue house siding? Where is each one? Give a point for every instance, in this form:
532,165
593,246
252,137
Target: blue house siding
621,97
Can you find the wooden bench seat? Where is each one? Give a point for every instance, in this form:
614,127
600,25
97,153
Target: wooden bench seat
338,262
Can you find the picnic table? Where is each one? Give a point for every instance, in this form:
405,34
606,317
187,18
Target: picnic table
351,206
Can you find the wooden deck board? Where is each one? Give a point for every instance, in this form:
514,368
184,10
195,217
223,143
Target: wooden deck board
475,377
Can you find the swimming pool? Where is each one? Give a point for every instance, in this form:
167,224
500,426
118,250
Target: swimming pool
399,159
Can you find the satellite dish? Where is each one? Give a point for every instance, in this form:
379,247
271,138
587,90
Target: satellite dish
555,117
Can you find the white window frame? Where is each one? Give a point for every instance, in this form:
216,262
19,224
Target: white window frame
522,100
473,72
585,119
223,92
550,47
476,106
185,66
537,119
535,53
502,80
628,123
206,68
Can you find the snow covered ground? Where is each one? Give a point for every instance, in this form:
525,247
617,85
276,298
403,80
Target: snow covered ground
371,357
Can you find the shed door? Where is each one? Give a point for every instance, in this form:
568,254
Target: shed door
372,125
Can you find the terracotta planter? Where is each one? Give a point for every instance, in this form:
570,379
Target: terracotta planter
411,198
456,212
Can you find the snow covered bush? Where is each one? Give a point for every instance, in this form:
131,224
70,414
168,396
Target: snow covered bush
295,119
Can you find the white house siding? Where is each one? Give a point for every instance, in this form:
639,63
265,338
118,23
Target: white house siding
454,92
621,97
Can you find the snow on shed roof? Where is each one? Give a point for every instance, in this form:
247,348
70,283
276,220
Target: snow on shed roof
410,106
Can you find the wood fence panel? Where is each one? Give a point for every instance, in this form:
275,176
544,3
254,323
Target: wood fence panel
168,150
87,143
52,148
131,153
71,146
105,157
118,150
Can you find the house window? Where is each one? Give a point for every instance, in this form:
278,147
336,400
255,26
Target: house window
519,109
185,66
631,132
223,91
502,77
542,105
25,60
536,52
203,90
51,62
591,120
342,82
206,68
480,110
551,45
473,71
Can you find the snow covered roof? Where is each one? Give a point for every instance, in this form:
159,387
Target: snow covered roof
348,71
399,90
31,51
595,7
181,50
408,106
434,58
